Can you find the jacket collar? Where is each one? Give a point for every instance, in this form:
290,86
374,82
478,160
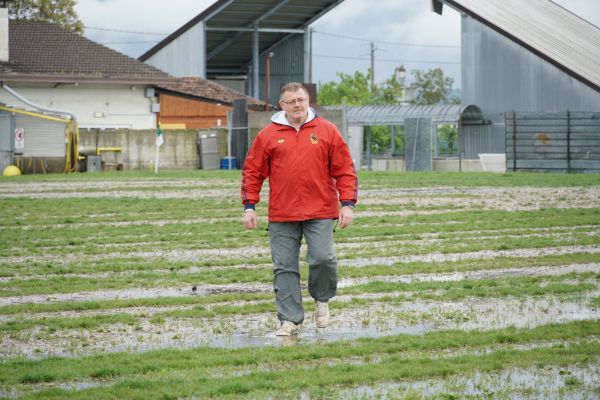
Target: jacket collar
280,118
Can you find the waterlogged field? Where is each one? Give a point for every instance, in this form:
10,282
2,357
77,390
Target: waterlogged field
129,285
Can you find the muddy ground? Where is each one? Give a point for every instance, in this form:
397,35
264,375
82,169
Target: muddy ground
378,318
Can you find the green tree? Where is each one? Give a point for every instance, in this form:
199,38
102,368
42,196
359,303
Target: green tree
448,135
390,92
434,86
355,90
60,12
351,90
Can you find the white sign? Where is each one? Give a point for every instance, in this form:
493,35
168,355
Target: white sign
19,138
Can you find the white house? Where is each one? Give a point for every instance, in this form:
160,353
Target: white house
57,69
44,67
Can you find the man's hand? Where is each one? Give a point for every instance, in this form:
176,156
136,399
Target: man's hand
250,219
346,216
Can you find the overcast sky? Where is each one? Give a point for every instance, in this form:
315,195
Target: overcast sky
404,32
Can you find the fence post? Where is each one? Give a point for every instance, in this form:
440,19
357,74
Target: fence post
568,141
240,143
514,141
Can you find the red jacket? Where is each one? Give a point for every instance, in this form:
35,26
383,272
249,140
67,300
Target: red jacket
306,170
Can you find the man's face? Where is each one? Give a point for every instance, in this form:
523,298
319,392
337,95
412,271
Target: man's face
295,105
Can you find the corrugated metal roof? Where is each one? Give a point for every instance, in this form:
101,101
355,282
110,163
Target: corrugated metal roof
229,25
562,38
395,115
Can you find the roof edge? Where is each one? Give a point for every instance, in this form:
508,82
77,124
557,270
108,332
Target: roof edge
172,92
83,79
323,12
523,44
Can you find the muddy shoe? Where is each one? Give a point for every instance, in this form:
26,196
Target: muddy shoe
321,314
287,329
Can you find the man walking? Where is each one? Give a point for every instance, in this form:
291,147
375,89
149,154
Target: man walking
311,173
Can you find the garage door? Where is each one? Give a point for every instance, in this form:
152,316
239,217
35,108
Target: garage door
42,138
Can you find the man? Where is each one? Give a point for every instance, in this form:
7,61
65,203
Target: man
310,171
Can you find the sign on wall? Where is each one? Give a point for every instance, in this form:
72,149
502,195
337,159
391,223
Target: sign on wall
19,138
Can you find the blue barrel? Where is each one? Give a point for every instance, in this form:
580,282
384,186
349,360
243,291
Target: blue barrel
227,162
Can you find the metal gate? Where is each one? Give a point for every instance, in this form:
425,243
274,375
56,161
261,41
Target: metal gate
418,155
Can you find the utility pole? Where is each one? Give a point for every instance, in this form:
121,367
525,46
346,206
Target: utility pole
372,68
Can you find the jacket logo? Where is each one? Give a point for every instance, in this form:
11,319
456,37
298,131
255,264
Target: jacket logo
314,139
280,140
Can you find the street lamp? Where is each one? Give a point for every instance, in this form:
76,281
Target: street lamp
401,75
401,78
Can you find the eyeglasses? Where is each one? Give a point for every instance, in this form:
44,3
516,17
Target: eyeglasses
299,100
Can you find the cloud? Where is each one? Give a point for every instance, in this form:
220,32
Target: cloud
399,21
390,21
150,16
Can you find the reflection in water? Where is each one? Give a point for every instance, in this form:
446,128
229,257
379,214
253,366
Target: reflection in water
549,382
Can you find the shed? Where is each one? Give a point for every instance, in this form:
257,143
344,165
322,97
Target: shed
474,133
235,42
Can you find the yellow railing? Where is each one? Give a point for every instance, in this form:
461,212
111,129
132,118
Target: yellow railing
71,134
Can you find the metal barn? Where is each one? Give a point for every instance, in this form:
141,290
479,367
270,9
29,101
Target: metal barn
253,46
526,56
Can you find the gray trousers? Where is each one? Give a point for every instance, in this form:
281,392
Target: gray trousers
286,238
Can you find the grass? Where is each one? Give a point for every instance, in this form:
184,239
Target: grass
441,291
367,179
187,373
183,228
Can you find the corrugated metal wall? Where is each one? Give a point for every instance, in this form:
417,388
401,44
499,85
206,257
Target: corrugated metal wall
43,138
184,56
476,139
559,142
498,75
287,65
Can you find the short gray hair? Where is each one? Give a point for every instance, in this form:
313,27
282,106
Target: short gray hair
292,87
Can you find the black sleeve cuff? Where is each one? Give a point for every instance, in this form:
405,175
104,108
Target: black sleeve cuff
249,206
348,204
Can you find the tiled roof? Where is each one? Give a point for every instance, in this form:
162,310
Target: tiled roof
41,51
204,88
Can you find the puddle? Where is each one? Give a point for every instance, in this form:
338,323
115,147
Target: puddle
473,275
163,222
103,275
141,293
426,239
548,382
143,188
232,192
150,183
373,320
174,255
138,293
505,198
483,255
